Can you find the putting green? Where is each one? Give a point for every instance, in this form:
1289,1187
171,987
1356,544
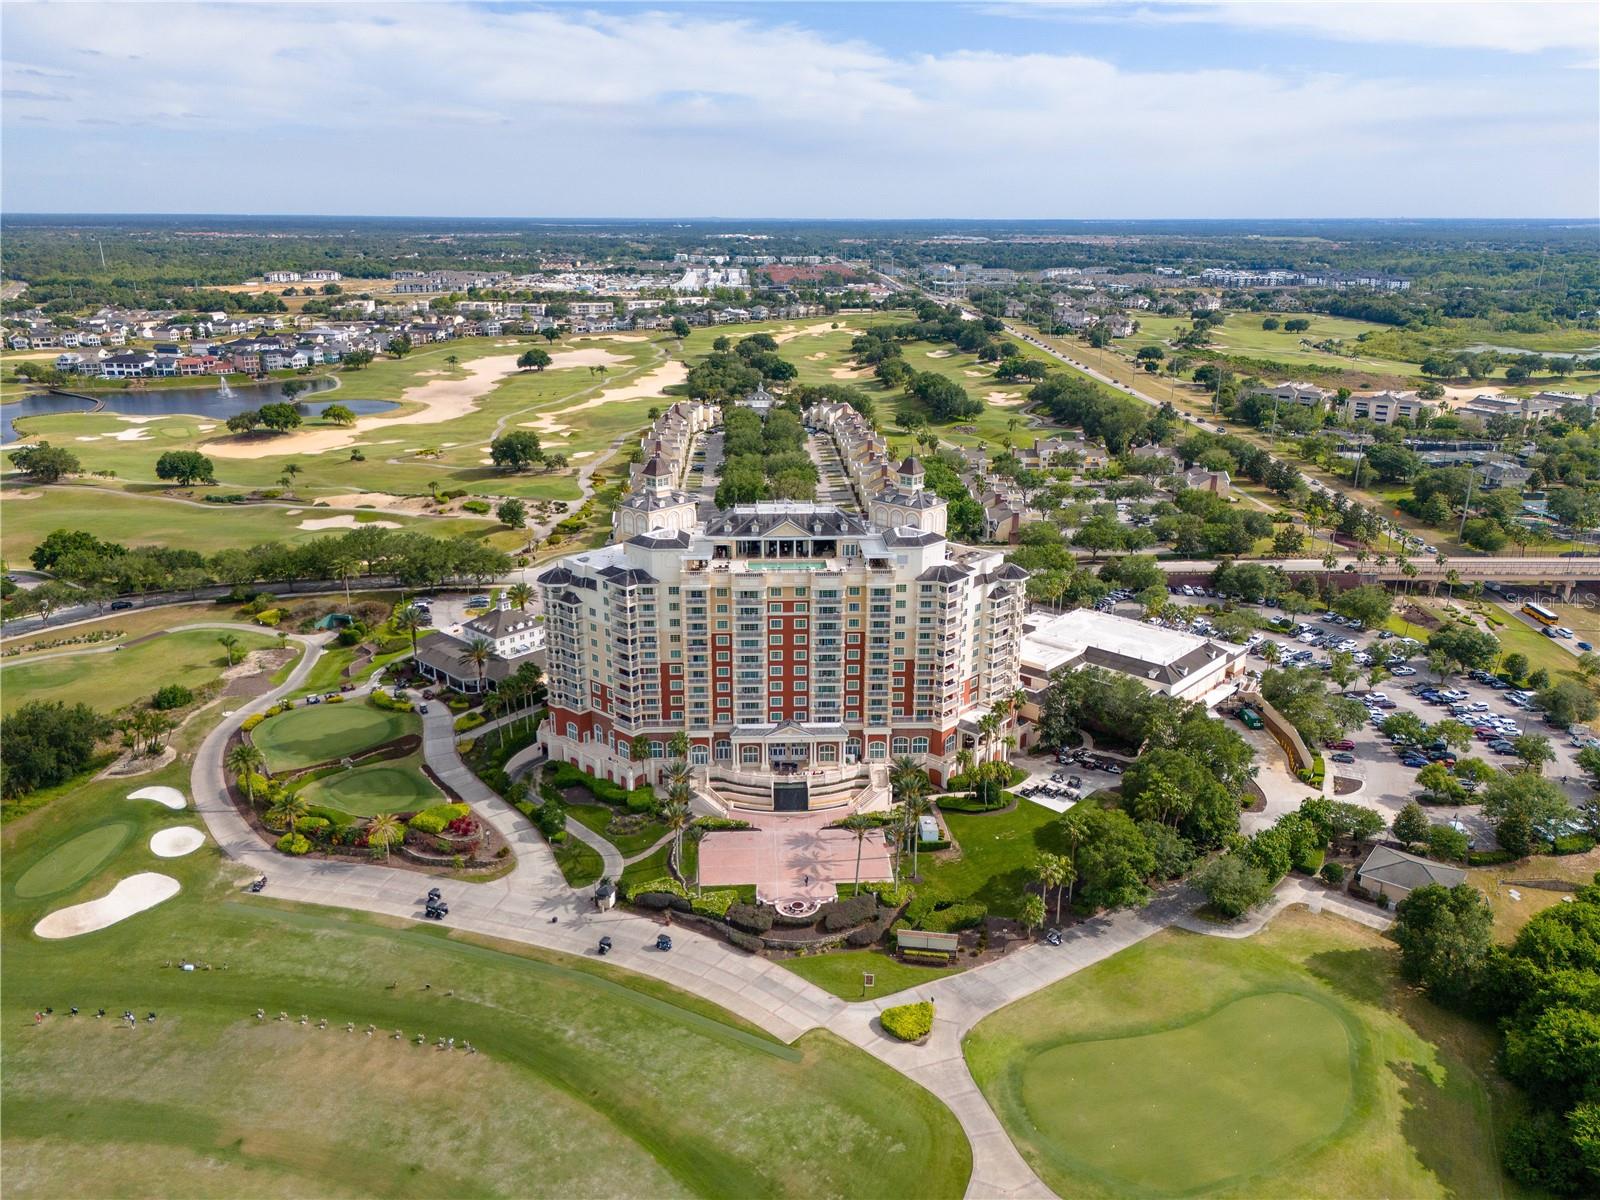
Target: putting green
383,787
318,733
70,863
1185,1108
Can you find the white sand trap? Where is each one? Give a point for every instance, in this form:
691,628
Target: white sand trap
441,400
591,356
170,796
976,374
381,500
819,356
176,842
582,454
427,373
294,512
88,437
133,895
205,428
850,372
811,331
646,387
1005,399
938,354
486,462
346,521
130,435
141,420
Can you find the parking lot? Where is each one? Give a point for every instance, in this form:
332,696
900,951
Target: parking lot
1059,783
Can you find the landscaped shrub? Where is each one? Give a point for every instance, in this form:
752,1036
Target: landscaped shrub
480,507
564,775
270,616
457,703
313,827
942,917
746,941
908,1022
387,702
1573,843
864,935
891,895
293,843
752,918
714,904
664,884
336,698
839,915
470,720
434,820
720,824
174,695
1333,873
653,900
252,721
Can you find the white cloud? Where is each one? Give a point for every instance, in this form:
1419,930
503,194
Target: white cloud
460,110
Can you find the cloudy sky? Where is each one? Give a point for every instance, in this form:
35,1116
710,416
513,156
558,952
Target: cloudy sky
828,110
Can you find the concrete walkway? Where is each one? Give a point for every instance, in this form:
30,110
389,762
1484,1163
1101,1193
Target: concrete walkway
534,906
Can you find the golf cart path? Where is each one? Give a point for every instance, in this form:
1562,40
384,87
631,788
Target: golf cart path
534,906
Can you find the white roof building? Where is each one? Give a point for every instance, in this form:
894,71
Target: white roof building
1181,664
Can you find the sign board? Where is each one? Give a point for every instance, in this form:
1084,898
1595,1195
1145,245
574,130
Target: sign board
868,979
921,939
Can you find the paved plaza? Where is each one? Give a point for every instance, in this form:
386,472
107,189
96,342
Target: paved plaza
792,857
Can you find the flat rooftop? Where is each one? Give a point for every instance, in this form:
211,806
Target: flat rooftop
1086,636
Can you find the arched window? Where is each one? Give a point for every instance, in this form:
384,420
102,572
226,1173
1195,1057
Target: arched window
902,745
572,730
876,750
852,749
657,750
827,752
723,751
699,755
919,745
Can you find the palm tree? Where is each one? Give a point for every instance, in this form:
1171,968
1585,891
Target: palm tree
479,652
675,815
409,620
384,829
246,760
917,806
963,761
1073,831
906,777
290,808
858,824
230,643
519,594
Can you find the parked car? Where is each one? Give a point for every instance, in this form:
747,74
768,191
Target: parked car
1340,744
1342,757
119,605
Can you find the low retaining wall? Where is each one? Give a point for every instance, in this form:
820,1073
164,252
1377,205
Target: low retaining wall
1286,735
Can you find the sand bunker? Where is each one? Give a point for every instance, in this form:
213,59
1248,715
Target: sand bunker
170,796
850,372
133,895
441,400
938,354
811,331
819,356
976,374
130,435
646,387
176,842
140,420
381,500
345,521
87,437
1005,399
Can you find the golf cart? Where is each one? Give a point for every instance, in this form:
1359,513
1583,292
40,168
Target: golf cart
258,884
1053,936
436,910
663,941
605,945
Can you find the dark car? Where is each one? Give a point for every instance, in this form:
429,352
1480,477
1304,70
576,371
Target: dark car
1414,760
1343,757
1501,746
1340,744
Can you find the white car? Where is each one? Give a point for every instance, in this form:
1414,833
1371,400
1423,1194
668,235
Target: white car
1402,672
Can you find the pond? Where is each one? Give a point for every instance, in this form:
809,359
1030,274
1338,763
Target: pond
217,403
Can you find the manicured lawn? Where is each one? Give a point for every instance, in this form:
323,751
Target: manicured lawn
322,732
1291,1063
395,786
108,680
652,866
588,1081
840,972
580,863
1511,913
137,519
997,852
598,818
74,860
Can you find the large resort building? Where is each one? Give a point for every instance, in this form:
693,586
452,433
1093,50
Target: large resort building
799,647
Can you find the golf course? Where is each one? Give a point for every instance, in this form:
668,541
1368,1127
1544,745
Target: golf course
1293,1062
397,785
585,1080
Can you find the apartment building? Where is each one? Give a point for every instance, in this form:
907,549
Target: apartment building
1385,408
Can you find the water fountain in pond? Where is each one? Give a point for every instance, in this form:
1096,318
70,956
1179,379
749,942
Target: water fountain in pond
222,385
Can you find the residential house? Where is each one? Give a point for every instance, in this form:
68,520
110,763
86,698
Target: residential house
1396,874
1386,407
1297,392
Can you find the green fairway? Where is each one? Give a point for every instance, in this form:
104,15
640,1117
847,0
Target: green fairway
580,863
74,861
315,733
107,681
588,1081
1292,1063
840,972
395,786
135,519
997,853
